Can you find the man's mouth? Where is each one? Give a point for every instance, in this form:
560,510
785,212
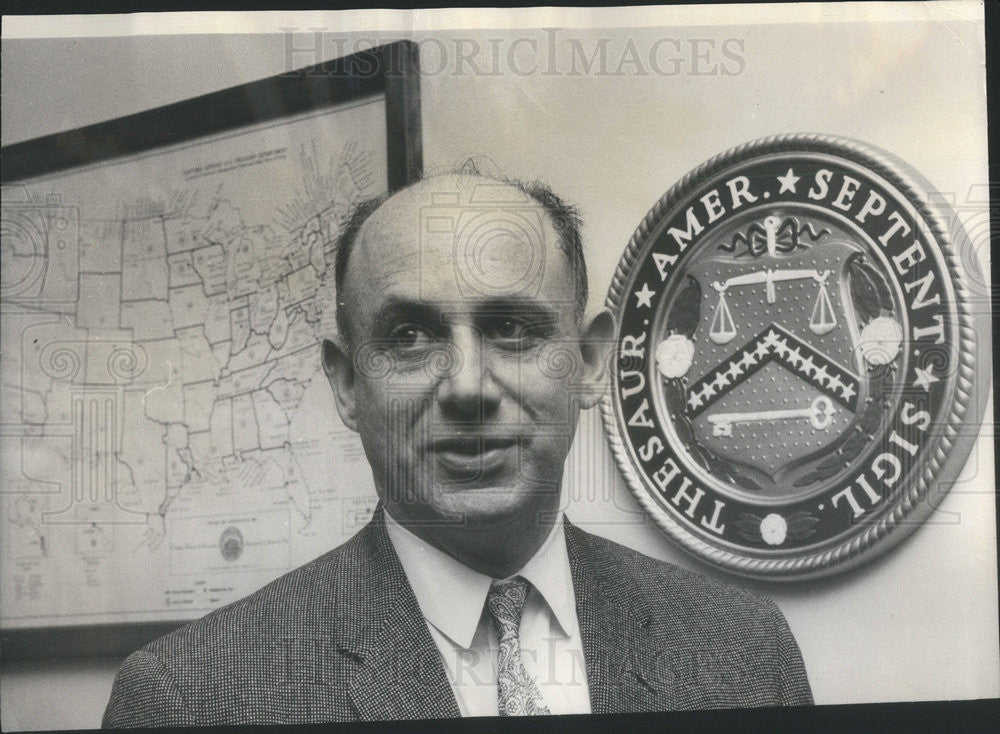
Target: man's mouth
474,455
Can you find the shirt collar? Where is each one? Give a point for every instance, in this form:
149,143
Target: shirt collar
548,571
452,596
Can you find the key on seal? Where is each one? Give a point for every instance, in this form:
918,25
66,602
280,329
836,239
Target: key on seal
819,413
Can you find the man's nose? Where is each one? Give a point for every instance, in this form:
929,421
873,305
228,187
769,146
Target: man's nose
468,388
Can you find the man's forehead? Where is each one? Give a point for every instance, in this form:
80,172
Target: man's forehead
463,220
459,241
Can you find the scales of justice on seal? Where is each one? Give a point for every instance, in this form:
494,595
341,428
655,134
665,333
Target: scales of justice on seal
796,366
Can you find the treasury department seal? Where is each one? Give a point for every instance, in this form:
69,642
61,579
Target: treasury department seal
795,359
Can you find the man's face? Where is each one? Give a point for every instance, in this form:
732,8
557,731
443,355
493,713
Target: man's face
465,344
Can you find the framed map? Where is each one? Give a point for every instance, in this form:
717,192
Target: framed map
168,441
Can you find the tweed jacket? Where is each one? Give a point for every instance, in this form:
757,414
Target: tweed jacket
342,639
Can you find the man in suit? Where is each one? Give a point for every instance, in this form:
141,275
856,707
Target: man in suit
463,357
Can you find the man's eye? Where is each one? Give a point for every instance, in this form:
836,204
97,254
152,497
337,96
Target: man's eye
508,329
409,336
513,331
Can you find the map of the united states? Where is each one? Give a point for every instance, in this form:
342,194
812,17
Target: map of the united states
161,414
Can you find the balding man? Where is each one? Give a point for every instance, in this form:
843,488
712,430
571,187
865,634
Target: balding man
463,356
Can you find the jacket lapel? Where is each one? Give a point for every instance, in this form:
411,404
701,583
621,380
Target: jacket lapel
620,655
401,675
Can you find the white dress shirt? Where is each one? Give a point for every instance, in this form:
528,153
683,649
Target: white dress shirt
452,598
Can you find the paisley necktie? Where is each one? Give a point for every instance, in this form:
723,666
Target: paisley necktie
517,693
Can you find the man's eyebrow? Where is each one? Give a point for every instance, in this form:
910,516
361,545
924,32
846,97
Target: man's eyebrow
396,311
526,307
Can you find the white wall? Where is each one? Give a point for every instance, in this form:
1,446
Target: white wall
920,623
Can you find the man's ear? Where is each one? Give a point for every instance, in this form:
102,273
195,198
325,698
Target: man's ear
339,368
596,345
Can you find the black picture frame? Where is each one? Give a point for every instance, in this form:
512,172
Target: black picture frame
390,70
